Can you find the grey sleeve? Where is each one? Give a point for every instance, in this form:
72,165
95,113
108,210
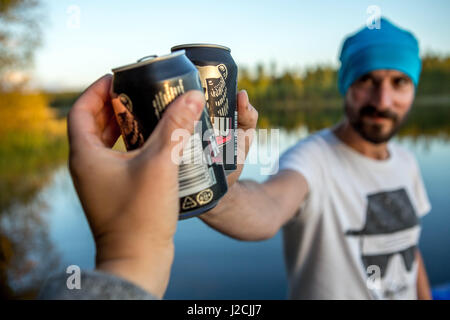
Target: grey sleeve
94,285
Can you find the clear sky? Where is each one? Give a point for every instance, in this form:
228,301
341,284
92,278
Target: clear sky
84,39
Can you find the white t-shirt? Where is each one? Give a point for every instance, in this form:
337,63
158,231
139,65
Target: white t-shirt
356,233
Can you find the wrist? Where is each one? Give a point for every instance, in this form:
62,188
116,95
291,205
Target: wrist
144,262
225,204
233,177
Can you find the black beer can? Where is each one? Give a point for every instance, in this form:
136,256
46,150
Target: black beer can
146,88
218,73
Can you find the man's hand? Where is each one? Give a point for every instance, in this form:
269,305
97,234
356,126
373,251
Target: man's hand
130,199
253,211
247,119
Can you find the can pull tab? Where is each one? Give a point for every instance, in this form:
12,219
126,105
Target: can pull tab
152,56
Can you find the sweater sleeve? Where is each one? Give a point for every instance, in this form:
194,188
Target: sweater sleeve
94,285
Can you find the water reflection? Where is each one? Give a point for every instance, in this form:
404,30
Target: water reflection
32,145
430,121
26,250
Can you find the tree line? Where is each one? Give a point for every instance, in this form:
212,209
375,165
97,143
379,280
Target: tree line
318,86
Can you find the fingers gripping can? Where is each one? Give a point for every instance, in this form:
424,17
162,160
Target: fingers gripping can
218,73
146,88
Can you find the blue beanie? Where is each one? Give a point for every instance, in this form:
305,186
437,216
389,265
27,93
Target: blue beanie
371,49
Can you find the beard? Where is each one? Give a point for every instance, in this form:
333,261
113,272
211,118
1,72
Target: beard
372,131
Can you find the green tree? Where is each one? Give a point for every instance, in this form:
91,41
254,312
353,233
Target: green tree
20,34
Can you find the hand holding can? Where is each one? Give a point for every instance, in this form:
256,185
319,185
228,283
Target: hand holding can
146,88
130,199
218,74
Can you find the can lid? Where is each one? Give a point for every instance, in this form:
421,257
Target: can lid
147,60
199,45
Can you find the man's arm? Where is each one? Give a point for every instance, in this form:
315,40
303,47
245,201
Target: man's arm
423,286
250,210
253,211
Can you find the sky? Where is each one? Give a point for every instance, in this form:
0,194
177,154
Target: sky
84,39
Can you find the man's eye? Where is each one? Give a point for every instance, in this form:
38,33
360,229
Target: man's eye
401,81
365,80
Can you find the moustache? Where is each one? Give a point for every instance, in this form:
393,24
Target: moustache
371,111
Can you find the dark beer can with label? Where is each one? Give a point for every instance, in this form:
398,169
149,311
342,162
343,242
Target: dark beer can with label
218,73
146,88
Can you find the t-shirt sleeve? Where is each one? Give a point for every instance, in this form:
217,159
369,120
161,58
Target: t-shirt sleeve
304,158
420,193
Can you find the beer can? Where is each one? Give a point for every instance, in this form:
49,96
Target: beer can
218,73
146,88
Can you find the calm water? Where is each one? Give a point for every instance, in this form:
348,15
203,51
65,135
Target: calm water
209,265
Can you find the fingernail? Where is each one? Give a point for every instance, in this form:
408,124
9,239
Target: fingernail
195,107
196,102
249,107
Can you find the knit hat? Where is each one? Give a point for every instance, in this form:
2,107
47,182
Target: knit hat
389,47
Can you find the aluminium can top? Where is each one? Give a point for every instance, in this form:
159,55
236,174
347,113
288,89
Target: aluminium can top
200,45
145,60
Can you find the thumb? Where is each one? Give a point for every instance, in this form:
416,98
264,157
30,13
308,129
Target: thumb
177,122
247,114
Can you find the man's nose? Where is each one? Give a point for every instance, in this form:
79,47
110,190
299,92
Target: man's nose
383,96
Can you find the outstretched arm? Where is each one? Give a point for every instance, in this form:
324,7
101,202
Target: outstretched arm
253,211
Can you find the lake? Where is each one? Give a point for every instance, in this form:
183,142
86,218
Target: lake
209,265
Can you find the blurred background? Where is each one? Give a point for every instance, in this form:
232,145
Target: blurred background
287,55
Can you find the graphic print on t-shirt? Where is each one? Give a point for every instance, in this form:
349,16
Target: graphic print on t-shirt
391,229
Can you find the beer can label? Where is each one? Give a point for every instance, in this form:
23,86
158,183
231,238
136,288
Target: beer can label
214,83
194,174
